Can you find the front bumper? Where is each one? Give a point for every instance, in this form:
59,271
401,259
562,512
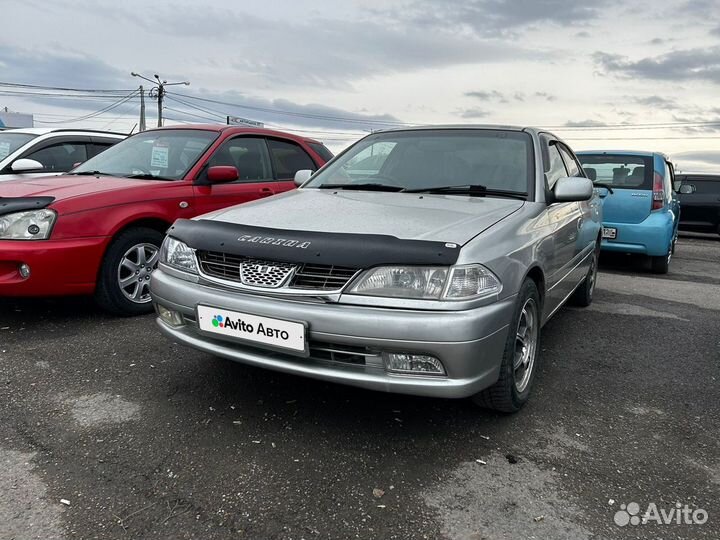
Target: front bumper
346,342
649,237
57,267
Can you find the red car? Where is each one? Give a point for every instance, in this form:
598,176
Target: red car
98,229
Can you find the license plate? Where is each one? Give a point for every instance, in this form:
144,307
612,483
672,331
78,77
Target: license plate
273,333
609,232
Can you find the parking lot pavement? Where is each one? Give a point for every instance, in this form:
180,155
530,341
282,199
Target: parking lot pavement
109,431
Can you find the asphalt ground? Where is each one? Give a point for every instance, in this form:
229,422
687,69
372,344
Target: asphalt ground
107,430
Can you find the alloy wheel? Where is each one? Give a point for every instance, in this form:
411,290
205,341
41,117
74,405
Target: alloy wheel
526,336
134,272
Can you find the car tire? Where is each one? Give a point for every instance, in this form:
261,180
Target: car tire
661,265
583,295
124,278
520,357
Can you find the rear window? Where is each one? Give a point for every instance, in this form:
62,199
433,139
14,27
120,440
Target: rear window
619,171
703,184
321,150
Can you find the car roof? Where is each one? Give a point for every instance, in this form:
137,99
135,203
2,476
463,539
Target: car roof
453,126
646,153
46,131
224,128
709,176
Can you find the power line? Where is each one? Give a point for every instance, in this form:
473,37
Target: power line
297,114
213,120
20,85
93,114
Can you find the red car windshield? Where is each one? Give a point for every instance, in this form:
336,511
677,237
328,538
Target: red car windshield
166,154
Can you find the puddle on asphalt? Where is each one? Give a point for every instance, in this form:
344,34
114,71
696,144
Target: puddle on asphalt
504,500
25,512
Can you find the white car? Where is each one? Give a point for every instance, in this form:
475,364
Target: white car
30,152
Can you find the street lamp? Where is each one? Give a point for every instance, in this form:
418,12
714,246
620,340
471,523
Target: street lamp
156,91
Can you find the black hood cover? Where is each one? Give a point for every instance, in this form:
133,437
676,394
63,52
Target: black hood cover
339,249
10,205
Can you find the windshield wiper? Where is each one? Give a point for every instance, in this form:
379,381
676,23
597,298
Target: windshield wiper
148,176
91,173
474,190
362,187
606,186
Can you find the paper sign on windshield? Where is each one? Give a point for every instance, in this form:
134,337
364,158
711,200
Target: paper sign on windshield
4,149
159,156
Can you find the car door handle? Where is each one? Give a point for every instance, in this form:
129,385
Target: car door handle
265,192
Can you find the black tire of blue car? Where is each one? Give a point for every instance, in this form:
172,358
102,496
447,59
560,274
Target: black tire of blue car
661,265
509,393
129,249
583,295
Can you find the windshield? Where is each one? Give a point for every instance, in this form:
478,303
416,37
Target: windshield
618,171
434,158
10,142
164,153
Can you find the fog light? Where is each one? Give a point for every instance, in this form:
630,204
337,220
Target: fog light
173,318
413,363
24,270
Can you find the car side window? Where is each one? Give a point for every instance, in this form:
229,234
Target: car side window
60,157
571,164
248,155
669,177
555,168
289,158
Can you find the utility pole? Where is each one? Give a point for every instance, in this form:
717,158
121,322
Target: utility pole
158,92
142,109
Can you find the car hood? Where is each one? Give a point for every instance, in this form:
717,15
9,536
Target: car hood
67,186
441,218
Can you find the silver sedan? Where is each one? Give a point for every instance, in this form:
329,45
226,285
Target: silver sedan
421,261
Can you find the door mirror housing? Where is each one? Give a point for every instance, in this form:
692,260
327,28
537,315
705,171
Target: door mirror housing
686,189
572,189
26,165
302,176
221,174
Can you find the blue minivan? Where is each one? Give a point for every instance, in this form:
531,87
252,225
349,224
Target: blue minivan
641,210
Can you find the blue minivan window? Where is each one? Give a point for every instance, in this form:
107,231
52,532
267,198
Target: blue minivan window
619,171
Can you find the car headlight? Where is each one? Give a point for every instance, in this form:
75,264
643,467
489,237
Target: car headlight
29,225
428,282
178,255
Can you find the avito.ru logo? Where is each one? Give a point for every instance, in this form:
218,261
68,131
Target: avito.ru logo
679,515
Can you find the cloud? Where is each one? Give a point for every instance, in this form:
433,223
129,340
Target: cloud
697,161
78,70
485,95
715,31
654,101
520,97
680,65
582,34
490,16
473,113
322,50
585,123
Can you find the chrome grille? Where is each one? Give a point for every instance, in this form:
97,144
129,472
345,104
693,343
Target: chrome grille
271,274
322,276
259,273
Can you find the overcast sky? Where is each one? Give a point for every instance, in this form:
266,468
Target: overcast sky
336,68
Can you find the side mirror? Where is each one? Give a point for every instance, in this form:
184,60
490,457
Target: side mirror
302,176
686,189
572,189
591,173
220,174
26,165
